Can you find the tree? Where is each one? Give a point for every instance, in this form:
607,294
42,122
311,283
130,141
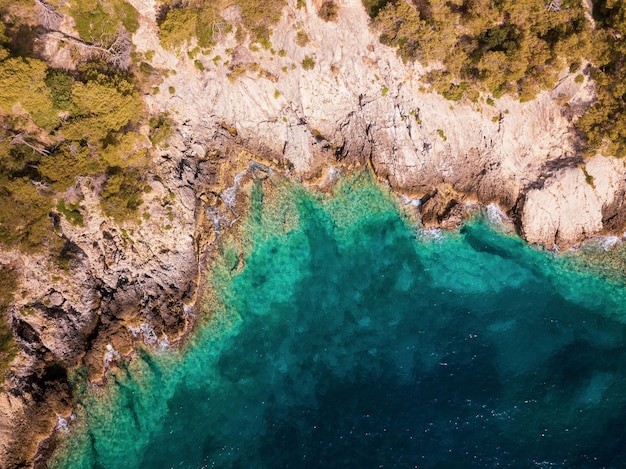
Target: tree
22,86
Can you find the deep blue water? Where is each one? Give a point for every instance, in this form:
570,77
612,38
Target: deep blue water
350,338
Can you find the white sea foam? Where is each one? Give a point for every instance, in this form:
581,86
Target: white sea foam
436,234
333,174
149,336
110,356
214,216
496,216
609,242
602,243
62,424
164,343
229,196
411,202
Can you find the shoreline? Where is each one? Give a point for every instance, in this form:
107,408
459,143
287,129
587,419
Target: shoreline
324,183
47,445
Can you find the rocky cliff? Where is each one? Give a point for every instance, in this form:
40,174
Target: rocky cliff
361,103
354,103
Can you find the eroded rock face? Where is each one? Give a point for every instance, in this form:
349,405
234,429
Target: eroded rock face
575,203
360,104
118,278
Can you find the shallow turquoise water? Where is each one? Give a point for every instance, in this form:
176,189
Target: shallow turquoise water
350,339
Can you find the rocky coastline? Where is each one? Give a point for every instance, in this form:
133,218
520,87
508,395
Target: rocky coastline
359,106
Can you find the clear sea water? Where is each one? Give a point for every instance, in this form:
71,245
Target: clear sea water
348,338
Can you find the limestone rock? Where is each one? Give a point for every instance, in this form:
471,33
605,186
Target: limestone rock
361,103
573,205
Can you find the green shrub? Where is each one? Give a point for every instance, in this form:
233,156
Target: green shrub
99,20
122,193
161,127
178,27
23,81
60,84
24,220
302,38
514,46
237,71
70,160
588,177
71,212
8,285
328,11
308,63
102,107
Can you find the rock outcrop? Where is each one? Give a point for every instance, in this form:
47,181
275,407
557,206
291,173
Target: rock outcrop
116,284
574,203
361,103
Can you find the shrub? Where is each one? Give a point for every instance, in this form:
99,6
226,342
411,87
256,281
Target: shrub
70,160
178,27
328,11
161,127
98,20
237,71
71,212
24,221
308,63
511,46
302,38
23,81
60,84
8,285
122,193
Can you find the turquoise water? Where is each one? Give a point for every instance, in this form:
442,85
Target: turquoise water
347,338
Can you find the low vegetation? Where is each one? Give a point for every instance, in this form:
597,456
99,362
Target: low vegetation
57,125
308,63
328,11
180,23
98,21
510,46
517,48
8,284
604,125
